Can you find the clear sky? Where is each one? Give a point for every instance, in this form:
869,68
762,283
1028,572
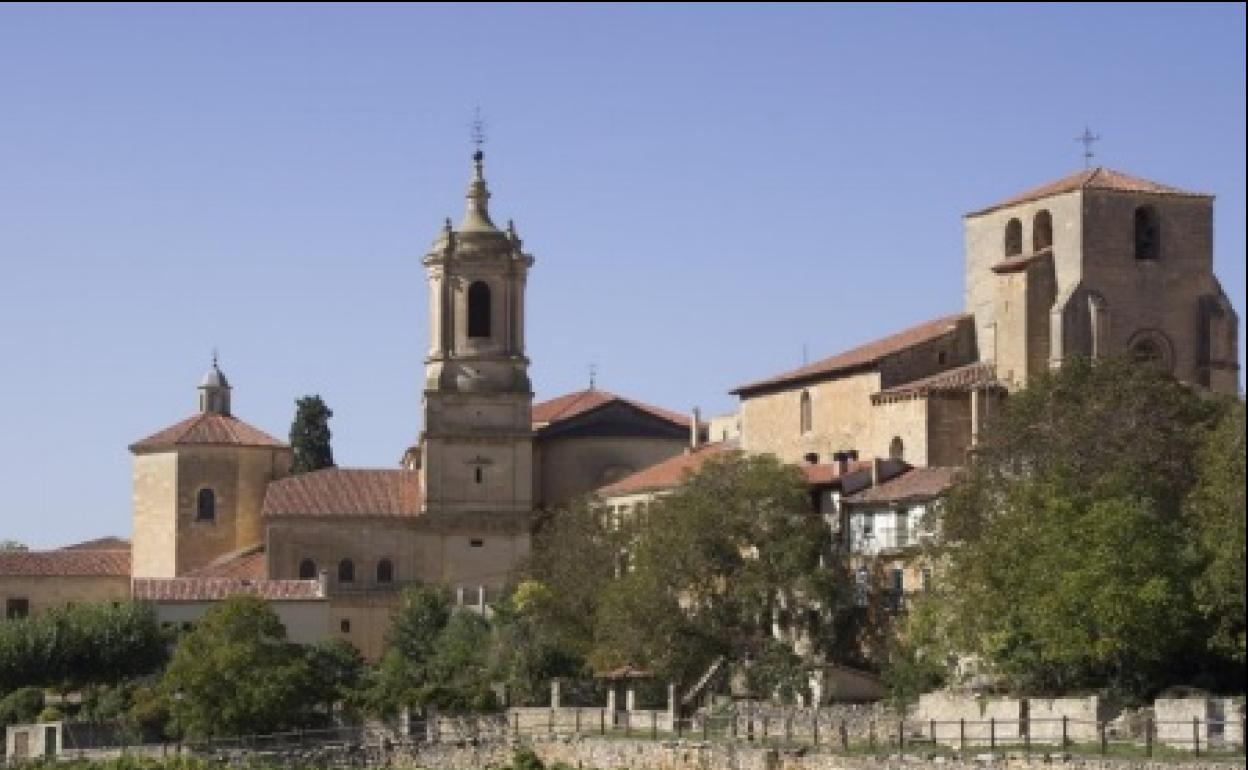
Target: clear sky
707,191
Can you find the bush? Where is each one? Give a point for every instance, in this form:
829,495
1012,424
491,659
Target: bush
50,714
21,706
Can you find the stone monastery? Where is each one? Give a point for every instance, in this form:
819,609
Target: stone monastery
1094,264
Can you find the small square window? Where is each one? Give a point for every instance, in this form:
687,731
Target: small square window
345,625
17,608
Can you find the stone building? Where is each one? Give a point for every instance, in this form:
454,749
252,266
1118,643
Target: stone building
217,512
1095,264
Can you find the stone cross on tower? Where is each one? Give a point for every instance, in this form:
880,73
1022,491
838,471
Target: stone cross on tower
477,129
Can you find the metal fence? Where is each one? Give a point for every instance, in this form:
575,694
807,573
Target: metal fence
374,745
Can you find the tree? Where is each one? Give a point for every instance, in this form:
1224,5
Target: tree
336,674
1067,565
1215,511
309,436
83,644
402,674
12,545
236,673
731,554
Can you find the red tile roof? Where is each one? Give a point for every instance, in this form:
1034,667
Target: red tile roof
977,375
914,484
1099,178
862,356
207,428
244,564
346,492
201,589
572,404
666,474
65,563
822,474
109,543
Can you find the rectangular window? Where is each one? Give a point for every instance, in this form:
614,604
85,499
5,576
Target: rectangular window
345,625
16,608
476,543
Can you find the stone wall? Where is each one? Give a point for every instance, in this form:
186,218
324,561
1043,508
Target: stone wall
691,755
1218,722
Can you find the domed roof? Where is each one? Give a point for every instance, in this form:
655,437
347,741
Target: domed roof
214,379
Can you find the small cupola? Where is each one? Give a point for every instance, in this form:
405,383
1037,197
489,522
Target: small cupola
214,391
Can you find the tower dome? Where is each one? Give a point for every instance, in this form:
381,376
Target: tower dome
214,390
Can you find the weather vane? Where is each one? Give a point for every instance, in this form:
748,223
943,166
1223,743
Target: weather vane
477,128
1087,138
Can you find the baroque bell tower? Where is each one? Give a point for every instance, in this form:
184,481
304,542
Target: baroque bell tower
477,444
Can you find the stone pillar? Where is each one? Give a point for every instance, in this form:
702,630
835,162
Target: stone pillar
481,600
611,698
630,699
555,693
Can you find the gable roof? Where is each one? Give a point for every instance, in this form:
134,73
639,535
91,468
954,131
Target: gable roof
571,405
914,484
208,589
244,564
350,492
207,428
1098,178
861,357
86,562
666,474
108,543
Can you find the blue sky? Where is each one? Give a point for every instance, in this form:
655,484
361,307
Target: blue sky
707,190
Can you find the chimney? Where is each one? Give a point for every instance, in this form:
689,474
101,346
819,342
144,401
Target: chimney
695,429
877,471
851,455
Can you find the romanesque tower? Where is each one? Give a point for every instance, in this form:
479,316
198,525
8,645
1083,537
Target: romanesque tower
1100,263
477,446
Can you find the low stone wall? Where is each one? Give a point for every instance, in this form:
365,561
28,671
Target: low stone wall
689,755
1215,722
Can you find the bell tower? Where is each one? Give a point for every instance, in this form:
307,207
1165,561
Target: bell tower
477,443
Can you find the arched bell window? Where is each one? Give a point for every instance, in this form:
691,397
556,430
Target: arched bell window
1042,231
307,570
385,571
1013,238
1147,233
479,309
346,571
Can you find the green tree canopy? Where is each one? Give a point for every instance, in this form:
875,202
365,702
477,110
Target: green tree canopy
82,644
310,436
1216,515
1069,557
730,554
236,673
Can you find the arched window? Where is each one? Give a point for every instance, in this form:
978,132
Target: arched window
1152,348
385,571
307,570
206,505
1013,238
479,309
896,449
346,571
1147,233
1042,231
805,412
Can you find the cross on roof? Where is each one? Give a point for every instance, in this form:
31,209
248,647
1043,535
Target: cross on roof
1087,138
477,129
